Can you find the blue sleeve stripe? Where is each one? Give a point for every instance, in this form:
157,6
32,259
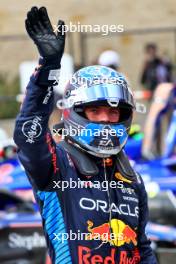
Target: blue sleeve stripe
48,201
54,223
50,209
62,257
63,250
66,261
52,217
63,246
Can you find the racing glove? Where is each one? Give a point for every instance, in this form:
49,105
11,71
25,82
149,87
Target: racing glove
49,43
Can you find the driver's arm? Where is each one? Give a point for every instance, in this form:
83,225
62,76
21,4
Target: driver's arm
37,150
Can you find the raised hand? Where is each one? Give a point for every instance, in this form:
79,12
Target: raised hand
39,28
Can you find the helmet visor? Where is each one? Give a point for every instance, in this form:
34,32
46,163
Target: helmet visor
112,93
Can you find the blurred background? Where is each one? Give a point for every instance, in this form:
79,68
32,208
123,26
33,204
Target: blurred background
144,22
145,52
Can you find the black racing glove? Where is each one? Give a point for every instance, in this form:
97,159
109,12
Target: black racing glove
49,44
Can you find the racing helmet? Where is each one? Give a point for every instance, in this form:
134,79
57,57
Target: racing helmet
97,85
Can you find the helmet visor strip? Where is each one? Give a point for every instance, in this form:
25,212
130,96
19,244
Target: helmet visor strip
111,93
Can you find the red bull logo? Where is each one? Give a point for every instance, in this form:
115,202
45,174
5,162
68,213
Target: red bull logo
86,257
116,232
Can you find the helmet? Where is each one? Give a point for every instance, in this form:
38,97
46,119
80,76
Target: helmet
97,85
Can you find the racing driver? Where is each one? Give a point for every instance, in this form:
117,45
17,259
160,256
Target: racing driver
93,204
